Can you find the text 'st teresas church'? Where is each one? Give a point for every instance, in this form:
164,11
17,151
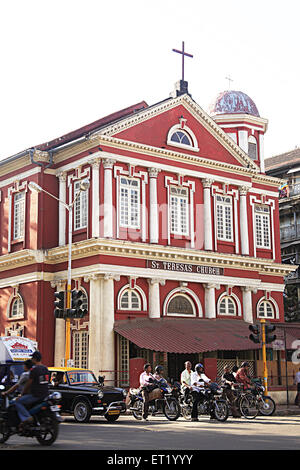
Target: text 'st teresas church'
175,244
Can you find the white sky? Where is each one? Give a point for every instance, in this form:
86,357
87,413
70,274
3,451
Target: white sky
67,63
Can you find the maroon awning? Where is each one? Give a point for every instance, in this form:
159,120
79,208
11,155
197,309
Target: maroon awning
186,336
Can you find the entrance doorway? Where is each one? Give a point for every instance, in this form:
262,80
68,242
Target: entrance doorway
176,364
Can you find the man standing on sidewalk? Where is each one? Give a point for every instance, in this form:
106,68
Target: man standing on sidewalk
297,382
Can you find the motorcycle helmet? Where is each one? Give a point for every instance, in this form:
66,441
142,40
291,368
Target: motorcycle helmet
199,366
159,369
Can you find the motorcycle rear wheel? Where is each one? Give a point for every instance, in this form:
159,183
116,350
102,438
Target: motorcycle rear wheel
48,431
171,409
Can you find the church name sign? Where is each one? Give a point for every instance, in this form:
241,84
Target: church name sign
184,267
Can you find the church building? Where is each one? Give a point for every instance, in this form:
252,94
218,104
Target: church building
175,245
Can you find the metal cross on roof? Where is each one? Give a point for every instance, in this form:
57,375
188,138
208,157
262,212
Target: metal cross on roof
229,80
183,54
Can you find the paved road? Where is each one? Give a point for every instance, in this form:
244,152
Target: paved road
263,433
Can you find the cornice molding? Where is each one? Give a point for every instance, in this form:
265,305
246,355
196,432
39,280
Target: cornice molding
100,246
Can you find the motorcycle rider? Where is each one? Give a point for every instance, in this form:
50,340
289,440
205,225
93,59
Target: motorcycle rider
35,390
198,381
229,380
242,375
146,384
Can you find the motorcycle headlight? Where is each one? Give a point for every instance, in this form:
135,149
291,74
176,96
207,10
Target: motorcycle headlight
55,396
124,393
100,394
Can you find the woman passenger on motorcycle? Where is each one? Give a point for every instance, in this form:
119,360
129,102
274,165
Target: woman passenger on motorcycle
146,381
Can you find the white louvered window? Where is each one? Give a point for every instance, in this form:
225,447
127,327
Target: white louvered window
129,203
265,310
130,300
19,215
227,306
179,218
80,207
262,226
224,218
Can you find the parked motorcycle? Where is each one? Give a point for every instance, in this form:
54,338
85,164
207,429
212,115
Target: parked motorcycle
167,403
44,426
212,404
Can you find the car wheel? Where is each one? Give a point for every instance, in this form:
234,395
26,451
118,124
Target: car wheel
111,418
82,411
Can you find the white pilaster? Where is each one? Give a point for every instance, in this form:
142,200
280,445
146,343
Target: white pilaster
61,209
243,140
153,216
244,221
207,214
95,346
107,354
261,153
95,198
154,297
210,301
247,304
108,203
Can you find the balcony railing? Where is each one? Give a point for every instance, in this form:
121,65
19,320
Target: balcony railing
289,191
291,232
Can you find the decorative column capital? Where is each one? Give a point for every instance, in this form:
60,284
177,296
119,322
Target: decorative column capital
156,280
212,285
111,276
243,190
153,172
62,176
207,182
249,289
108,163
95,162
58,284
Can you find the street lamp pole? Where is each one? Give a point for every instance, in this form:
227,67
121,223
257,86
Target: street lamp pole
84,185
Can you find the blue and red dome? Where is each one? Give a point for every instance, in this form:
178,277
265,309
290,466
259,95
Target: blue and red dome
233,102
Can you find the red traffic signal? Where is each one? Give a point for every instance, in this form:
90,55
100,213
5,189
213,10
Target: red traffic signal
269,329
255,335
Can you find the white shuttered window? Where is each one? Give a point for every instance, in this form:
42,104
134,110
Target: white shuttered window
179,218
19,215
224,218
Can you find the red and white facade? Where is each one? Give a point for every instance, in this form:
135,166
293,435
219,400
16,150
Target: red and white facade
178,222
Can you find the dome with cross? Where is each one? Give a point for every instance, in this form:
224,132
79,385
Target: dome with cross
233,102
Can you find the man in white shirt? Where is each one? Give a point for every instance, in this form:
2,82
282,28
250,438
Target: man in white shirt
297,382
198,381
185,379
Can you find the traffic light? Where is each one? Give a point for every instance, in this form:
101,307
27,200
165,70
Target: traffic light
76,311
255,335
269,329
59,311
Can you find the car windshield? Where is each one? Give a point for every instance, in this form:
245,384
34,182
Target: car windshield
82,377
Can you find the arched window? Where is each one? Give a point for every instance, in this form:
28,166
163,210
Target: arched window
227,306
130,300
85,300
252,147
181,305
181,138
265,309
17,307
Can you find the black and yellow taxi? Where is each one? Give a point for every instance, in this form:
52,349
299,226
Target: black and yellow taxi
83,395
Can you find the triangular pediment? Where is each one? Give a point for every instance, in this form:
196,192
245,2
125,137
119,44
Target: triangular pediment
151,127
